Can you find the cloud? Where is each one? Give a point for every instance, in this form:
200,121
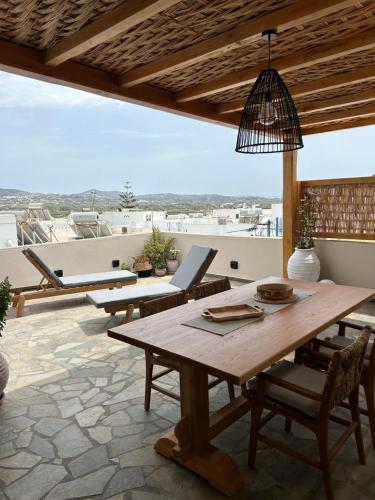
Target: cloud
139,134
21,92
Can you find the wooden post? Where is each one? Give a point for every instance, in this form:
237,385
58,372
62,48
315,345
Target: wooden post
290,203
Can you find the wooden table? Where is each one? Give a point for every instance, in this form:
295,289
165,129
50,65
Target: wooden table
236,357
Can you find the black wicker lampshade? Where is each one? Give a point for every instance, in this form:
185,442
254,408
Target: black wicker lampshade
269,121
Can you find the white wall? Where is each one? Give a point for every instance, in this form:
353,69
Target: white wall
74,257
257,257
347,262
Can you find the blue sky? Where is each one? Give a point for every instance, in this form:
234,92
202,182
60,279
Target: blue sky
56,139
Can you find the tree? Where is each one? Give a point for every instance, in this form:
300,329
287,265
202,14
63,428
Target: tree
127,198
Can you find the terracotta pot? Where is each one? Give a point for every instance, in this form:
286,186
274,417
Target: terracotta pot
304,265
172,265
160,272
4,374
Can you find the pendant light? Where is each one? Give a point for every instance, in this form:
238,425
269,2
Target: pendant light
269,121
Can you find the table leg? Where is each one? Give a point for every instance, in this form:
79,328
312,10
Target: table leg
189,443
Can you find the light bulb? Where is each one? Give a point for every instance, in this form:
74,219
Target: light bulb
267,114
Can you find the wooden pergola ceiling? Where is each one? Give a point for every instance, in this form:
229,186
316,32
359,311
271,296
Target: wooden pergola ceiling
200,57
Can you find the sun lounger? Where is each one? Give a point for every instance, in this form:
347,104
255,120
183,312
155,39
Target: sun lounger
55,285
191,271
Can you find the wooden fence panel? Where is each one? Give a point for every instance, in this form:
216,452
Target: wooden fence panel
345,207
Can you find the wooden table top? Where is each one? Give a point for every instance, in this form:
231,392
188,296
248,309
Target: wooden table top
242,354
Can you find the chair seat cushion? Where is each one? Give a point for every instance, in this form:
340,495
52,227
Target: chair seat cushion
97,278
342,341
302,376
130,295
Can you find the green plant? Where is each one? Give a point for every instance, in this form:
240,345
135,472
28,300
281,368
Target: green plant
307,211
127,198
173,252
125,266
157,248
4,302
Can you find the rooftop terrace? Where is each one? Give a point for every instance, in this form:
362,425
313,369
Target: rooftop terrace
73,424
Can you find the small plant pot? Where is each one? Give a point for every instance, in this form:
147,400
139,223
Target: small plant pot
172,265
161,272
145,273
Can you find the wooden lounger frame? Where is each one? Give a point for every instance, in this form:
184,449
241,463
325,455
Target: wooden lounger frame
129,308
52,289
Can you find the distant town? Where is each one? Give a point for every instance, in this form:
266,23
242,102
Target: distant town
60,205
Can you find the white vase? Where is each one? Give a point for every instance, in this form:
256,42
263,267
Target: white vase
304,265
4,374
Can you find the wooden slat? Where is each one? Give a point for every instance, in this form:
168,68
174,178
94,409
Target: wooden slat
290,200
336,102
346,236
367,109
28,62
303,59
302,12
341,180
320,84
106,27
362,122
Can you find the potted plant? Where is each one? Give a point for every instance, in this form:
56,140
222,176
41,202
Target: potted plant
304,263
126,267
4,304
172,262
157,249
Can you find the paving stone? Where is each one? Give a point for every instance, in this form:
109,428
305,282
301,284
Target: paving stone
63,395
85,486
42,447
71,442
51,388
138,458
120,446
128,430
12,411
100,434
7,449
97,400
37,483
44,410
89,417
21,460
24,439
89,461
124,480
83,386
120,418
8,476
48,426
69,407
86,396
19,423
134,391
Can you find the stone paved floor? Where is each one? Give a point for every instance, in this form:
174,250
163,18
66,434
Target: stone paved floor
72,423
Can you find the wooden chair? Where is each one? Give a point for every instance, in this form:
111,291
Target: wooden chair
322,355
211,288
153,307
307,396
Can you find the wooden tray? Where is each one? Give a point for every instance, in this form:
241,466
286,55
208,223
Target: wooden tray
230,313
288,300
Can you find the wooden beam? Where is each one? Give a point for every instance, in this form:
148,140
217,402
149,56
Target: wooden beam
361,122
106,27
28,62
365,110
285,18
336,102
303,59
319,85
290,205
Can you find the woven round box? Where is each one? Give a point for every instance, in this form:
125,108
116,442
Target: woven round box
274,291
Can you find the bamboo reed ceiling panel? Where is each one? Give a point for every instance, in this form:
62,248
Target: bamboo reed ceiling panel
352,90
186,24
346,209
42,23
299,38
340,65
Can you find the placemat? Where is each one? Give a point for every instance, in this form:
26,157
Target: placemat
230,326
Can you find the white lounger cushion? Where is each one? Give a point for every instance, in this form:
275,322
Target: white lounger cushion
78,280
131,294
